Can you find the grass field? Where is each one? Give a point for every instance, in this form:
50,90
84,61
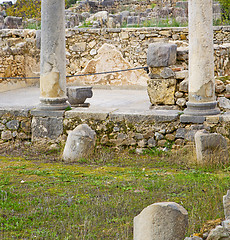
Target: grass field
97,198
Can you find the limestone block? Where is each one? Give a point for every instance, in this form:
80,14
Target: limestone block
219,233
211,148
226,203
161,54
166,220
46,127
161,91
80,143
77,95
161,72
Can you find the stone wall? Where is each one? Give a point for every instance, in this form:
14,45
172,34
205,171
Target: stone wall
19,49
15,124
114,129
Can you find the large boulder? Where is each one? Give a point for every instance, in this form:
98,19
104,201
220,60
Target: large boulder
80,143
161,221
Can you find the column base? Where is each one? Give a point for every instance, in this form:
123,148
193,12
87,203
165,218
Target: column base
197,112
53,104
202,109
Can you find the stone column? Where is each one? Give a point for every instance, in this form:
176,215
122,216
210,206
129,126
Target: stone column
202,100
53,58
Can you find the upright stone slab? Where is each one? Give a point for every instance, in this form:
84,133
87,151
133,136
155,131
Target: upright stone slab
202,100
53,58
80,143
211,148
161,221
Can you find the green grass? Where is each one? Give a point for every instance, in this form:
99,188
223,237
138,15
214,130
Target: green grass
98,198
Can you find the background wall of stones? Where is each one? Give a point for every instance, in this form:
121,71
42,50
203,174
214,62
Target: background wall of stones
20,53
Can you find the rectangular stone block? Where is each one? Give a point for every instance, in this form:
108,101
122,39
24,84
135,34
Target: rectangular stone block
161,54
161,91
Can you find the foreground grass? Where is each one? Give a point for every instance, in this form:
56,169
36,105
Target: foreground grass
98,198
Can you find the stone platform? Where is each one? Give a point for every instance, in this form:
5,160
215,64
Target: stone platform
120,117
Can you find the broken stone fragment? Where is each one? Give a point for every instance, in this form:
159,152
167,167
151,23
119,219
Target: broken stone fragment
211,148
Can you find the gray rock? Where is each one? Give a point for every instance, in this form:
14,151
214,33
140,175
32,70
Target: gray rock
152,142
219,233
226,203
13,124
159,136
161,54
161,221
211,148
6,135
13,22
193,238
180,133
224,103
46,127
183,87
226,224
78,95
181,102
167,73
2,126
80,143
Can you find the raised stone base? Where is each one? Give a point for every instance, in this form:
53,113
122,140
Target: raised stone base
53,104
46,124
202,109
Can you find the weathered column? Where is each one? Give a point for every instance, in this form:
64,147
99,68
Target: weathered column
53,58
202,100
